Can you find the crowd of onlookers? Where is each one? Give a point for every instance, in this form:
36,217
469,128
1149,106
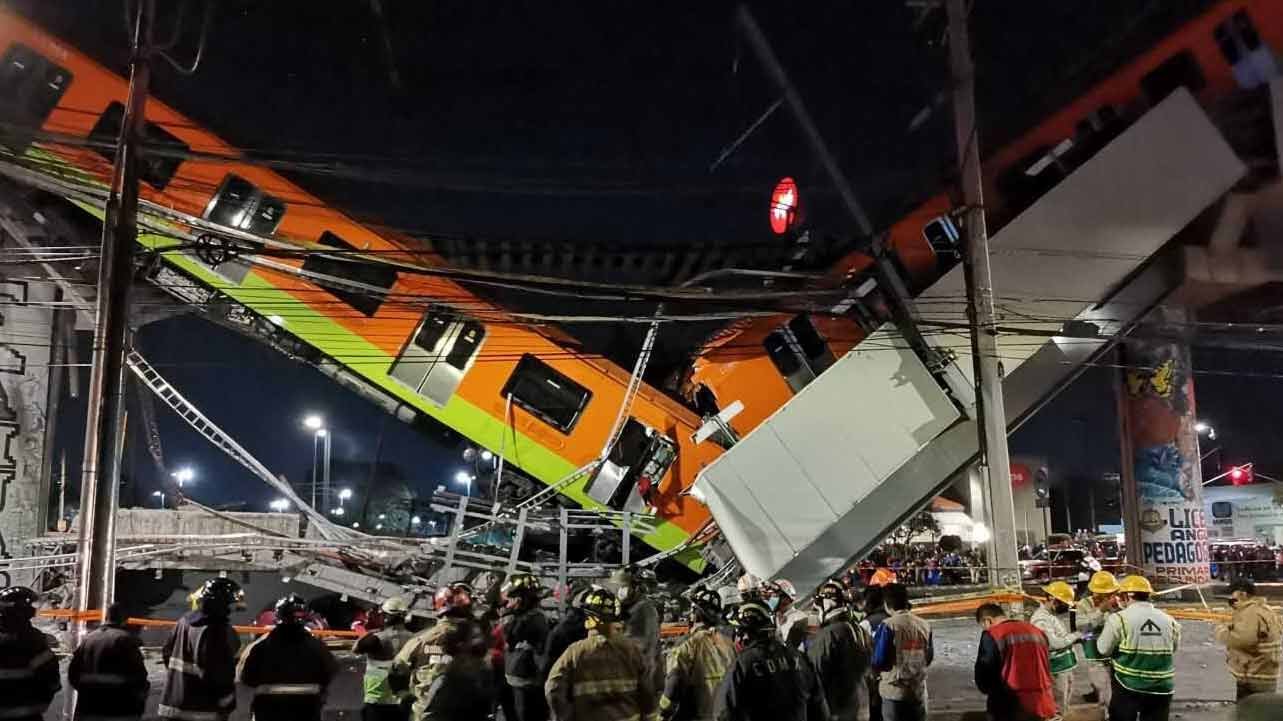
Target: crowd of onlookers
1256,561
926,565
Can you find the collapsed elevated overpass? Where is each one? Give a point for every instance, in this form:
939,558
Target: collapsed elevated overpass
876,436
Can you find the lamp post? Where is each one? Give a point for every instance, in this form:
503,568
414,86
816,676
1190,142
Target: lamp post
183,475
466,479
321,444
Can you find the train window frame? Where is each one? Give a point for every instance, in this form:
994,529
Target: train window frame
367,304
1222,509
248,210
16,102
530,364
106,131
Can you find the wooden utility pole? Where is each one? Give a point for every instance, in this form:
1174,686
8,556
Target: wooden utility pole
991,414
104,428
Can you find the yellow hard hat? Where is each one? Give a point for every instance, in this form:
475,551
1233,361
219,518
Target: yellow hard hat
1102,582
1135,583
1060,591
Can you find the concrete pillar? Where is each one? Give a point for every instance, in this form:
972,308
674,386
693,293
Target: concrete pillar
26,327
1162,478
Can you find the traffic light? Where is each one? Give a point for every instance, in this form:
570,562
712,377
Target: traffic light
1242,475
1042,489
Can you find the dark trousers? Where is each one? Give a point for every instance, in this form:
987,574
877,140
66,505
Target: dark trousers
1127,705
524,703
907,710
1243,690
385,712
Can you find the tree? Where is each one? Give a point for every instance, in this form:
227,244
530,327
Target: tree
922,522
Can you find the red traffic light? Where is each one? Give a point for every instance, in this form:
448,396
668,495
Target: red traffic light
1241,475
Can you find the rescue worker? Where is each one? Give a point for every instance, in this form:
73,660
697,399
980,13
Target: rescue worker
730,597
768,681
841,652
641,618
902,650
381,703
569,629
288,668
525,633
29,675
604,677
201,656
107,671
698,664
1089,617
875,612
445,665
1012,668
1060,642
794,626
1141,641
1252,641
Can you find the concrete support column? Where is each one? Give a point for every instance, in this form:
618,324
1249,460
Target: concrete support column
1162,478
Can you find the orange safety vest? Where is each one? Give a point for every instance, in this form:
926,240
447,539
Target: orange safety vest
1026,669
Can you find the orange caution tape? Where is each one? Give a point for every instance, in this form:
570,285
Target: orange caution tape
162,623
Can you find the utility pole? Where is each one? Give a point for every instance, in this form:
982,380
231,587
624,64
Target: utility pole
105,424
990,411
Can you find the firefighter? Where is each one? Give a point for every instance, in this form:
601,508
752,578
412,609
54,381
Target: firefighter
841,652
768,681
1060,642
200,656
1141,641
1089,617
1252,641
793,624
444,666
603,677
641,617
569,629
29,675
288,668
1012,668
698,664
381,703
107,671
525,633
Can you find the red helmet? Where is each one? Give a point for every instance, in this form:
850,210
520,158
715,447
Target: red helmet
454,599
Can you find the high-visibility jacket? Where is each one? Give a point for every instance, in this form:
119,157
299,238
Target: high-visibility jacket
289,670
109,676
1252,643
1142,642
1090,621
601,678
1060,642
29,675
379,649
695,669
1013,671
200,655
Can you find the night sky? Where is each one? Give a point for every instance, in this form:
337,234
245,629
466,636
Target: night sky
568,120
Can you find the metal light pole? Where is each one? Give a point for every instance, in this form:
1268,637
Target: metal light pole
990,410
104,425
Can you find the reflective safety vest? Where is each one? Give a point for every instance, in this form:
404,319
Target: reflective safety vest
1060,647
1090,622
423,659
380,649
1142,641
1026,670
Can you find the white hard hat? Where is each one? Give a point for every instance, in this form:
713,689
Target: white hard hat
749,582
395,606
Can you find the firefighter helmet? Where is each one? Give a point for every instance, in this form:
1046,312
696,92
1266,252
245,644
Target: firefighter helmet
831,597
1135,583
291,610
707,605
601,605
783,587
753,619
454,599
18,602
1102,582
522,584
395,607
219,595
1060,591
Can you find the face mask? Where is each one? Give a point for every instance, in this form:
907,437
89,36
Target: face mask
773,602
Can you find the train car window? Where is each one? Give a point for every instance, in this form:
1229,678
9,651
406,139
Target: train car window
546,394
432,331
1180,70
813,345
239,204
360,271
1222,509
30,88
466,344
942,235
162,155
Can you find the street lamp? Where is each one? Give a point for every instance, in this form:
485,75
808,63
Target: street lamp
183,475
345,494
337,511
1205,428
161,496
414,521
280,505
313,422
466,479
487,456
321,442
